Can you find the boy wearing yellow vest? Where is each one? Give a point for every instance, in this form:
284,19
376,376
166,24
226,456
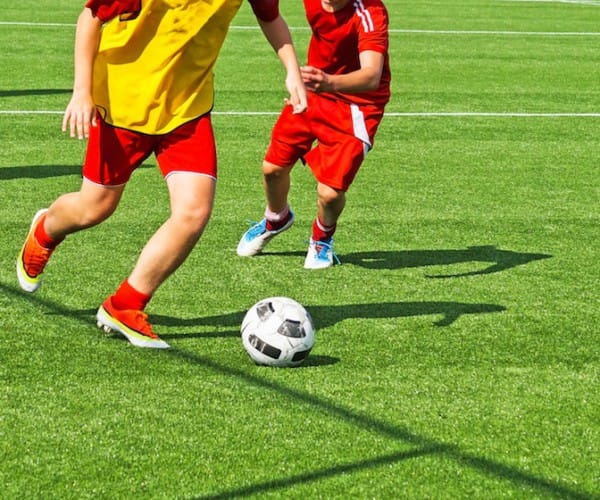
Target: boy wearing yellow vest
144,85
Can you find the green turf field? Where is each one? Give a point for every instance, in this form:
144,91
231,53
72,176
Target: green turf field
458,344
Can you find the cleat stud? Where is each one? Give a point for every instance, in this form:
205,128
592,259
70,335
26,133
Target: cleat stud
105,328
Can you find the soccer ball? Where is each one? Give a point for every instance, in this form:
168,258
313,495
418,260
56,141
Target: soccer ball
278,331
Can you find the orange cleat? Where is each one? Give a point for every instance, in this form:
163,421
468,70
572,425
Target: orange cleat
131,323
32,258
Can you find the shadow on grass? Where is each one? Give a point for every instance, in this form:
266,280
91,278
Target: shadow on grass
500,259
44,171
38,171
317,475
28,92
423,445
227,325
326,316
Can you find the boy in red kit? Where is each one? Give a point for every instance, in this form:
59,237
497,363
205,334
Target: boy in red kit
144,85
348,78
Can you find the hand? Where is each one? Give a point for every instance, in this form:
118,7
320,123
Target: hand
79,115
316,79
297,90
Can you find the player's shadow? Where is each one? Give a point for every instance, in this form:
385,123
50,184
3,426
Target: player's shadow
38,171
499,260
45,171
228,325
28,92
225,325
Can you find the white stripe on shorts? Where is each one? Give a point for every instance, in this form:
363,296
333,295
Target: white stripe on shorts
360,129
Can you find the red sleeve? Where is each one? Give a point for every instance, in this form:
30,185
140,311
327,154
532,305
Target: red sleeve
265,10
373,30
105,10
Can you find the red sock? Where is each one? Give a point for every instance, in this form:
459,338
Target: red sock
276,220
322,232
127,297
42,237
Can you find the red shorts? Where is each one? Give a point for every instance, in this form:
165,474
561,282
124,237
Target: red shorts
343,132
114,153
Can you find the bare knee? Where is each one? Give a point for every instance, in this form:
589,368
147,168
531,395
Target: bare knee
94,204
193,220
271,171
329,196
192,198
199,219
75,211
94,215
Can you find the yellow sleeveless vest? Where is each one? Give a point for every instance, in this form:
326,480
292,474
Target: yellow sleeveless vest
155,72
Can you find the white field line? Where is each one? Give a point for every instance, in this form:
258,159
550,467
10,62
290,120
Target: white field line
407,31
499,33
580,2
441,114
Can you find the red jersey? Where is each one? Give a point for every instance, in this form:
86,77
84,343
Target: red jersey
339,37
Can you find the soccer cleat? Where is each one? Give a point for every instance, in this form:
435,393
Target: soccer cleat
32,258
256,238
131,323
320,254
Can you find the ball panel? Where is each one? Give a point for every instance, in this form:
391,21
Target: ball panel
300,355
291,328
263,347
264,310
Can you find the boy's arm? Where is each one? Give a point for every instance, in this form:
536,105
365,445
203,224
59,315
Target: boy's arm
364,79
278,35
80,111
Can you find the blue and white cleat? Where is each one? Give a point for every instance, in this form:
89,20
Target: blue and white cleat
320,254
256,238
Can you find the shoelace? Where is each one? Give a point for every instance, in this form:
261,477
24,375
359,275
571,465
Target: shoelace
257,228
323,247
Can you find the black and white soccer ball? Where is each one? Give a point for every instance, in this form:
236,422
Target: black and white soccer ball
278,331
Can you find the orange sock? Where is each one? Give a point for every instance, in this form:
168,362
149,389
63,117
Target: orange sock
127,297
42,236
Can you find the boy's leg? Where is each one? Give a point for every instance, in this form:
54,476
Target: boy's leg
89,206
330,203
188,161
34,256
291,138
70,213
334,162
278,215
276,182
192,197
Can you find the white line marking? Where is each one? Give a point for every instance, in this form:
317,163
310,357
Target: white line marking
580,2
508,114
500,33
406,31
442,114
